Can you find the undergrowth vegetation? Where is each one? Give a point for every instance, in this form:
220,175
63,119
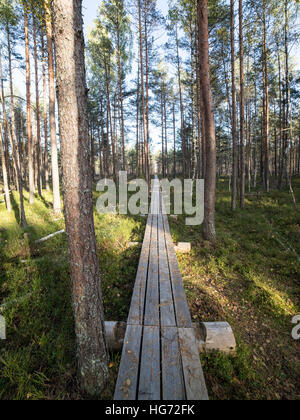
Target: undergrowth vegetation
249,277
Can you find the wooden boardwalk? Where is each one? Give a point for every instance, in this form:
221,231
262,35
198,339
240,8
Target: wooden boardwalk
160,359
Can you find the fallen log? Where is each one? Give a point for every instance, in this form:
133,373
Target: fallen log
49,237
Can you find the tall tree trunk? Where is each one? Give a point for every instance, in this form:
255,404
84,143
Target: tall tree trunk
121,105
267,105
38,115
166,134
29,123
93,163
234,117
13,148
77,187
12,105
287,92
242,106
142,78
162,134
209,231
199,116
147,101
174,137
181,104
45,116
53,139
280,120
137,122
4,172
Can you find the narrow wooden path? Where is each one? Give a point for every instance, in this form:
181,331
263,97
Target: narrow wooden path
160,359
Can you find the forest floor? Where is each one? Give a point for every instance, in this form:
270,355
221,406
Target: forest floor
250,278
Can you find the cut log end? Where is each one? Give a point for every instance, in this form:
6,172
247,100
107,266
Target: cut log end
215,336
183,247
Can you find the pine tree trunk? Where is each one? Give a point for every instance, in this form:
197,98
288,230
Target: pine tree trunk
267,105
12,107
38,115
45,116
137,122
174,136
287,94
242,106
234,116
147,102
181,105
121,105
77,187
209,231
4,172
53,139
142,82
15,155
29,123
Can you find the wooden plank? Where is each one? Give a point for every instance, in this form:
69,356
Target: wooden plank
167,312
155,201
183,317
152,295
172,375
136,313
126,388
149,384
192,370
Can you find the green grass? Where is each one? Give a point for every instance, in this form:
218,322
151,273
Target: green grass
249,277
37,360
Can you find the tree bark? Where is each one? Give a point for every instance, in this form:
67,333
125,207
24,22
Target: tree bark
181,105
77,189
242,106
38,115
209,231
121,105
13,148
45,116
267,105
142,81
53,139
234,117
4,173
12,106
28,101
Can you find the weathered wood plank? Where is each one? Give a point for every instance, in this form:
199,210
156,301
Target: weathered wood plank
152,294
172,375
155,200
167,312
136,313
126,388
183,317
192,370
149,384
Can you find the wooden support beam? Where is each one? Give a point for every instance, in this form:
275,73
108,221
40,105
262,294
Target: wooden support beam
183,247
210,336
